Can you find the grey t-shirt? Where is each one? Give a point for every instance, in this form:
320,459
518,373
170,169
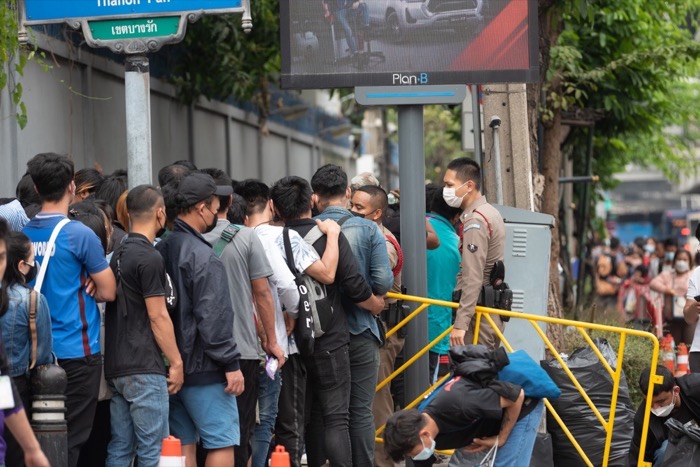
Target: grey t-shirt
244,260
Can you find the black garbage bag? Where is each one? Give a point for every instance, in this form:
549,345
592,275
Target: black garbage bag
578,416
683,448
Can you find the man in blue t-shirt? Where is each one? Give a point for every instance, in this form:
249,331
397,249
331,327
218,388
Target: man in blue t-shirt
77,277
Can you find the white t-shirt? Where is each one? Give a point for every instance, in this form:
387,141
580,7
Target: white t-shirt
694,291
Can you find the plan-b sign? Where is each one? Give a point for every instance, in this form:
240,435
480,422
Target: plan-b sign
58,11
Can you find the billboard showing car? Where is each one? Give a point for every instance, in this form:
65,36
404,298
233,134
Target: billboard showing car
346,43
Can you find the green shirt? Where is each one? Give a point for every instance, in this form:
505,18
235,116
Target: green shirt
443,267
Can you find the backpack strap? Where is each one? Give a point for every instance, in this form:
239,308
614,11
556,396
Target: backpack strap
49,252
313,235
488,224
33,297
226,236
399,252
342,220
289,256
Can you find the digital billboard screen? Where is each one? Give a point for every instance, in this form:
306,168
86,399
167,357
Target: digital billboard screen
346,43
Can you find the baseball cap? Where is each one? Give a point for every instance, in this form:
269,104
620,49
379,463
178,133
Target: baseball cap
197,187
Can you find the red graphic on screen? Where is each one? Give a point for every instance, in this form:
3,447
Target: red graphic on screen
503,45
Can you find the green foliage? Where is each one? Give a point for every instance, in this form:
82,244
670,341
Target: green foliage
12,57
440,148
221,60
630,59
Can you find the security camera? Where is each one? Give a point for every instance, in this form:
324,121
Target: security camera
495,121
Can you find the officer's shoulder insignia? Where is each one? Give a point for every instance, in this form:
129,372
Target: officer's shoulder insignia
468,227
471,247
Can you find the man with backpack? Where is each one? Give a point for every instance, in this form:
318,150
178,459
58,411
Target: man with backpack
247,271
328,368
331,194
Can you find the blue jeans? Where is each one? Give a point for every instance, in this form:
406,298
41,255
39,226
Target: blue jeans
660,453
364,366
516,452
327,401
344,15
269,394
139,419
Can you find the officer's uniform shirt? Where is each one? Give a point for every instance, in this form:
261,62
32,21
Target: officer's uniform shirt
483,242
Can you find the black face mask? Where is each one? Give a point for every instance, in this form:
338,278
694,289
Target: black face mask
162,230
29,276
212,226
314,211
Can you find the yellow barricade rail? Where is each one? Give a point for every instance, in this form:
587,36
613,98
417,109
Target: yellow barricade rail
582,327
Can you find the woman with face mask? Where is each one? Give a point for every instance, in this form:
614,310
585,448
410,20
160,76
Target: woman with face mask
673,284
20,271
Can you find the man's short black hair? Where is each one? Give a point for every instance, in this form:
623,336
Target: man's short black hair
671,241
401,433
466,169
614,243
238,210
330,181
169,191
172,173
186,163
256,194
379,198
93,217
141,200
292,197
440,207
221,178
26,194
111,189
51,174
661,370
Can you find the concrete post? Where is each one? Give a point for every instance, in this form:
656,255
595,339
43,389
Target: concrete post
137,89
509,102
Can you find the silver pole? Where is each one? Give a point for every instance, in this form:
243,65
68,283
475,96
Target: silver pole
412,182
137,86
496,125
476,117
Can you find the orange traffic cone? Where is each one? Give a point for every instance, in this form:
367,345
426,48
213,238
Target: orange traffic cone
666,355
280,458
171,453
682,368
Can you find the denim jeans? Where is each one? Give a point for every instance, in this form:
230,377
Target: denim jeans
517,451
364,366
268,399
139,419
659,454
360,17
327,402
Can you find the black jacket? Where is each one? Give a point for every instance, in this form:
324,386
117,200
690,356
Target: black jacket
203,317
657,433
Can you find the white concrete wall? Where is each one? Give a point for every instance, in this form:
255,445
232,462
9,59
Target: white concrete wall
77,108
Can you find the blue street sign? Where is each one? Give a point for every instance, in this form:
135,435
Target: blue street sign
52,11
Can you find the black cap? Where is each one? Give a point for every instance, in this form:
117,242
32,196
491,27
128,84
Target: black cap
198,187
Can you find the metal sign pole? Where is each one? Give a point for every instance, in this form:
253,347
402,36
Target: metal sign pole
412,182
137,91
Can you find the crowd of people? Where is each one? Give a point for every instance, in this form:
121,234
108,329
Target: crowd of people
183,308
647,283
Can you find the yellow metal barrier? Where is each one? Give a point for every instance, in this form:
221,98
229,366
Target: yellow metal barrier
615,374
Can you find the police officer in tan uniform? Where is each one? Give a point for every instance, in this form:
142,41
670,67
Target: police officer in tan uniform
483,240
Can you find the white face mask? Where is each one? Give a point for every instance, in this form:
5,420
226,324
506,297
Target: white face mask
682,266
426,452
449,194
664,411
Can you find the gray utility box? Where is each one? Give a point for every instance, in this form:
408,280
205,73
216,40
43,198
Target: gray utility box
527,253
